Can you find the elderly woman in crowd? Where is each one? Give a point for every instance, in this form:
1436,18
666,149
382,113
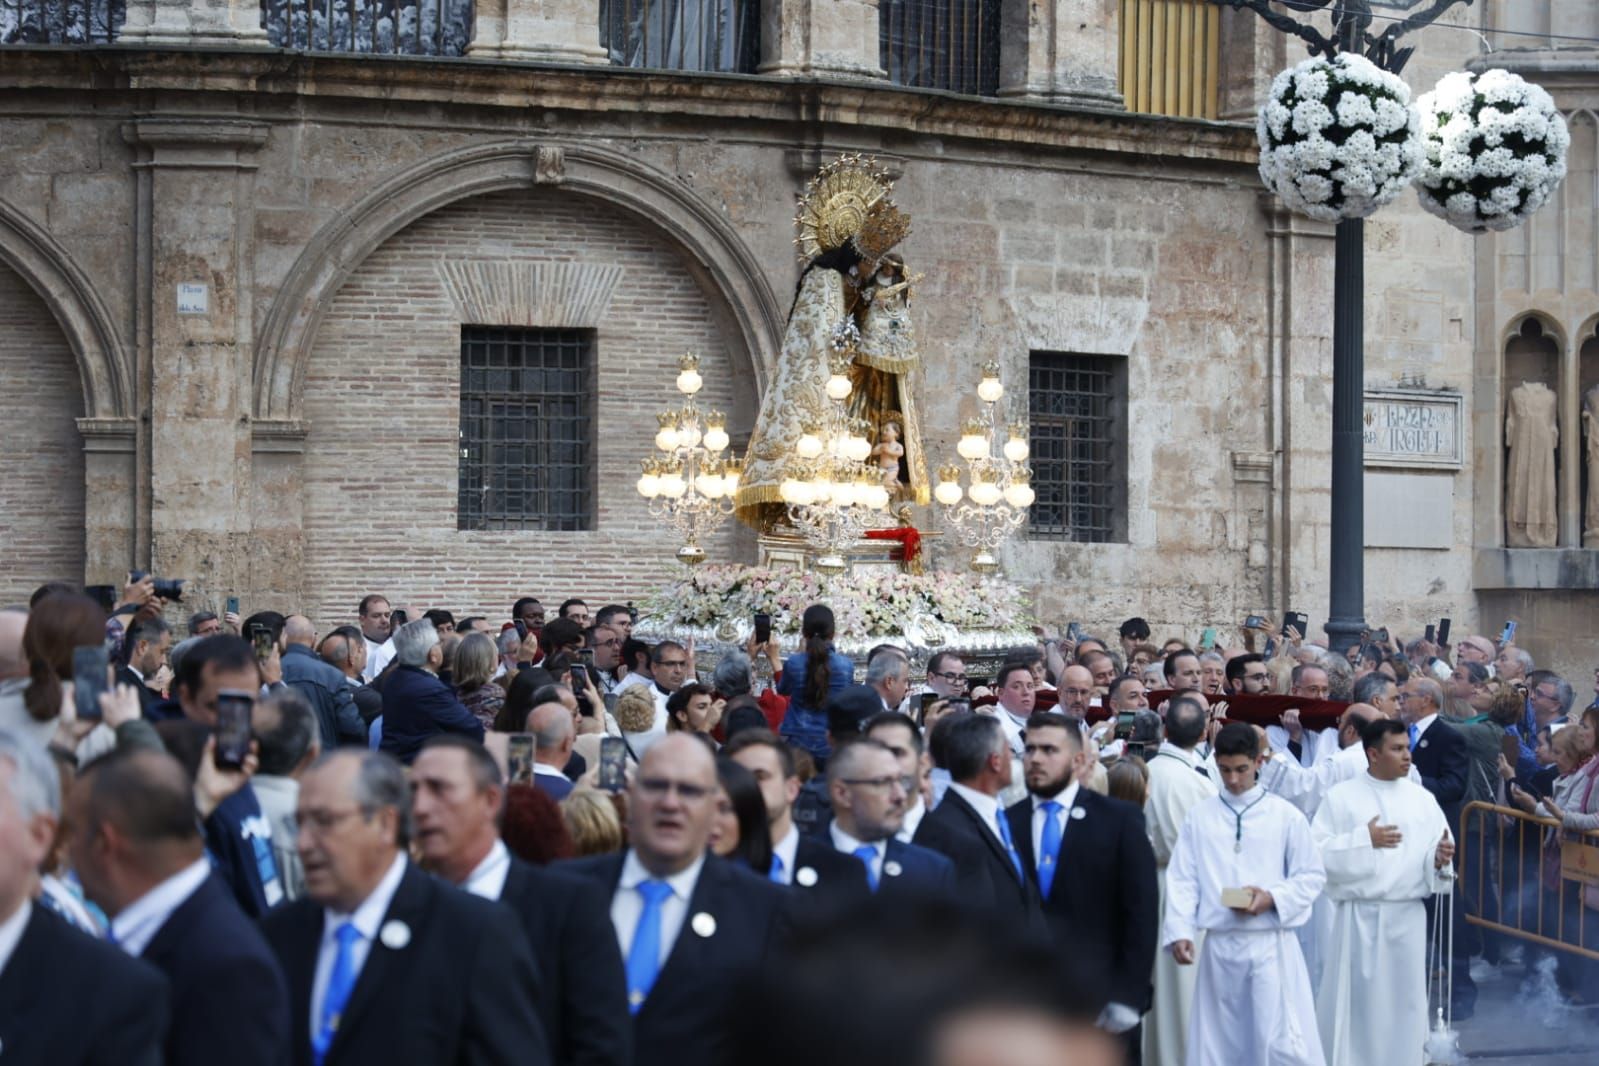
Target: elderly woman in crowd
472,671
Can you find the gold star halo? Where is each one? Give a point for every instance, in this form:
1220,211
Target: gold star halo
837,202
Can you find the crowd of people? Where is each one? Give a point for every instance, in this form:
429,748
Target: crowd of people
542,839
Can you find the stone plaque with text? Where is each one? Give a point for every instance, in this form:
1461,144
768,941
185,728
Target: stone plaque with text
1417,428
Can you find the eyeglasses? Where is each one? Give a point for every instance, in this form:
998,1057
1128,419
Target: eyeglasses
1263,675
907,783
323,821
672,662
960,679
612,643
656,788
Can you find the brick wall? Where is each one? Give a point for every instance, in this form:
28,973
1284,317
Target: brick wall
382,395
41,453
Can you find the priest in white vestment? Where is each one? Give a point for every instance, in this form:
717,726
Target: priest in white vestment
1176,785
1386,847
1245,871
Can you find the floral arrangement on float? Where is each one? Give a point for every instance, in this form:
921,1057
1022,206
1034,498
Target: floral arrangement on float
1494,150
1338,137
870,606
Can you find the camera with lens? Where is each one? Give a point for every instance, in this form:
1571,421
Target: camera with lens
170,589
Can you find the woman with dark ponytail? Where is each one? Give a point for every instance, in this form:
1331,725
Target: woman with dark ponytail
810,678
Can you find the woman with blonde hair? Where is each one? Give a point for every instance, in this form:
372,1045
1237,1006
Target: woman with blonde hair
593,822
1127,779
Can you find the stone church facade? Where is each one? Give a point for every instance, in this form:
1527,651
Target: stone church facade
238,285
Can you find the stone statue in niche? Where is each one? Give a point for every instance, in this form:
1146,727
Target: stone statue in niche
1531,435
1590,425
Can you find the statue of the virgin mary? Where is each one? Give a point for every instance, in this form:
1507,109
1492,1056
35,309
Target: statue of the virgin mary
852,287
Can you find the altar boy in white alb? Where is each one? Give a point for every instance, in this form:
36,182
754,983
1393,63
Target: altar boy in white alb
1245,871
1386,846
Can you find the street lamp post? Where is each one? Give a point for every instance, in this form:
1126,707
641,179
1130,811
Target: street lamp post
1351,32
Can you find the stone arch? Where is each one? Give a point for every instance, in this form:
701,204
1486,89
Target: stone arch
1550,325
50,271
645,192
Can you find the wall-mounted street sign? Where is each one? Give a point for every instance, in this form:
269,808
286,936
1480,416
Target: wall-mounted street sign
1414,428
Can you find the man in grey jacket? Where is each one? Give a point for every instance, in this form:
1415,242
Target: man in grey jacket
322,685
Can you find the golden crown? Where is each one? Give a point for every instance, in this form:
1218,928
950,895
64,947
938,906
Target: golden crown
885,226
837,202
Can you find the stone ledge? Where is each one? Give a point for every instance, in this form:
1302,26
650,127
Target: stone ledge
727,97
1535,568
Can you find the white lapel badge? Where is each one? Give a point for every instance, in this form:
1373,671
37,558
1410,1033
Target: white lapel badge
805,876
892,868
703,924
1078,814
395,934
1423,744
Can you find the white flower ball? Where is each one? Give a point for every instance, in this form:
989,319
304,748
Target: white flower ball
1338,137
1494,149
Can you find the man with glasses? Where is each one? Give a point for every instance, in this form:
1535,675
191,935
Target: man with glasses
898,733
607,645
829,882
946,676
1247,675
869,791
670,667
1551,697
384,962
673,901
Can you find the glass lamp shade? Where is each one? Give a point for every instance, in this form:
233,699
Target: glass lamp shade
858,449
947,493
1016,450
989,390
673,486
984,493
838,387
689,382
666,439
709,485
876,497
804,493
649,485
688,435
716,438
788,489
845,493
821,489
809,446
730,479
1020,495
972,446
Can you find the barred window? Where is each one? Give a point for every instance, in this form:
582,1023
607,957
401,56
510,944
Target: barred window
527,429
1077,411
702,35
370,27
941,44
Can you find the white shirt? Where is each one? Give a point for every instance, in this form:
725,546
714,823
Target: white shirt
1065,798
137,925
1014,728
627,906
377,657
487,879
544,769
847,844
368,919
986,806
913,818
784,850
11,931
1422,725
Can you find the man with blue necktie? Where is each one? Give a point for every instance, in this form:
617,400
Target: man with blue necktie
969,828
1092,862
868,792
690,925
385,963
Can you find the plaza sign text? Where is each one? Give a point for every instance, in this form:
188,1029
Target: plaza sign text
1418,428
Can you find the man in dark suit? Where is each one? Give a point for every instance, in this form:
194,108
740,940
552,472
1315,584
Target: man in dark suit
146,647
323,685
554,734
138,852
456,800
386,964
1438,752
970,829
416,704
826,881
691,926
868,793
65,998
1092,863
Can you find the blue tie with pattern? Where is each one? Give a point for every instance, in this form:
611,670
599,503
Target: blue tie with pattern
1415,735
868,855
774,874
341,982
1048,846
644,957
1010,846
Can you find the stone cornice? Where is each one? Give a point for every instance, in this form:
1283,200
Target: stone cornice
283,78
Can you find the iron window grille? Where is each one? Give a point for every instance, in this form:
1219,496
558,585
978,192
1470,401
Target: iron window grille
370,27
527,429
59,22
700,35
941,44
1077,414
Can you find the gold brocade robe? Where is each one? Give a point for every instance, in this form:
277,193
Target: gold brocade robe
797,391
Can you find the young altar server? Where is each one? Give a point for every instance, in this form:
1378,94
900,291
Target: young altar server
1386,846
1245,871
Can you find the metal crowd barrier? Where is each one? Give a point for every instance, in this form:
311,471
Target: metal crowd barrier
1524,876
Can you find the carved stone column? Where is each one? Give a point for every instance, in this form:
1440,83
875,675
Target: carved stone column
827,37
221,23
1063,51
549,31
194,263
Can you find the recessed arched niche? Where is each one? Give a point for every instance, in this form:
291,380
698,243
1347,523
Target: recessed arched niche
1532,419
1588,383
